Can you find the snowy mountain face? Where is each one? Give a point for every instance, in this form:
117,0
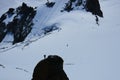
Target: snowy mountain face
19,21
90,51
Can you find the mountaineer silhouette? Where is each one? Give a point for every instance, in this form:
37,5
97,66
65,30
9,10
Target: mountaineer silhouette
50,68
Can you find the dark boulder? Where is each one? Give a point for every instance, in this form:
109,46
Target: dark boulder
10,12
94,7
50,4
50,68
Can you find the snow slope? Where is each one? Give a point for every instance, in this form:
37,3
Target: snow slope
43,16
90,52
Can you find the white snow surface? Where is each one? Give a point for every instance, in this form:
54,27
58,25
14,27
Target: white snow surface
91,51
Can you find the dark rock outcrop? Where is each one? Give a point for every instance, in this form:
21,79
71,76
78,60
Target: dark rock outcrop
94,7
3,25
71,4
3,31
23,25
50,28
50,68
50,4
17,21
68,6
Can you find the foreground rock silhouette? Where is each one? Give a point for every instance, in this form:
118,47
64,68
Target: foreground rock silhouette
50,68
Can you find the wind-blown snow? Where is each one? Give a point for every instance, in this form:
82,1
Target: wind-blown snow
91,51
